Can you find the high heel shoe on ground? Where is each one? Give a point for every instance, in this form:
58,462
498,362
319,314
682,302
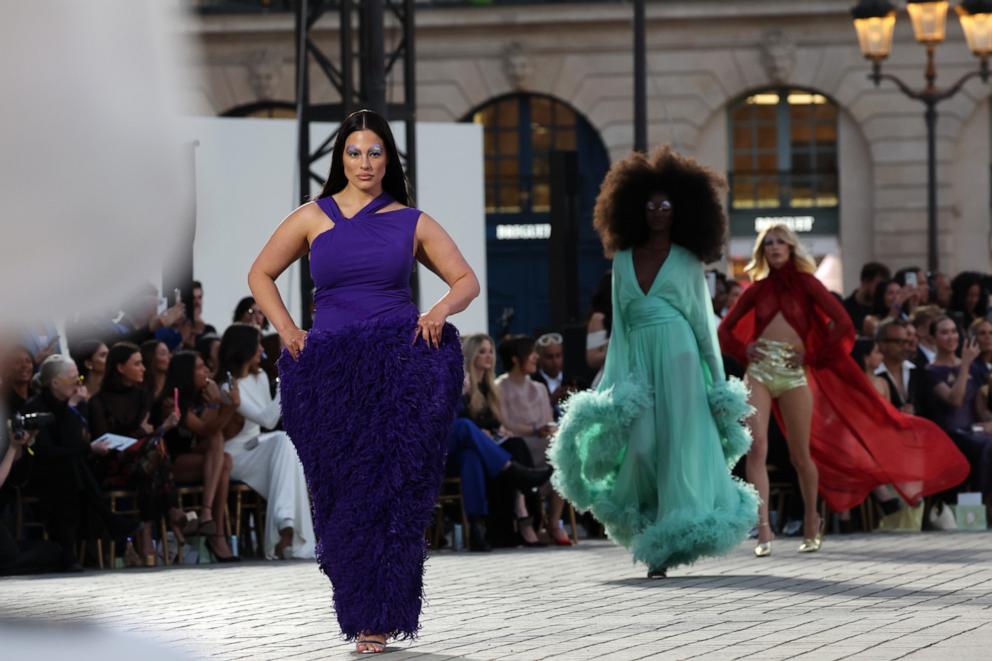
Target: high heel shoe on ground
659,572
763,549
813,544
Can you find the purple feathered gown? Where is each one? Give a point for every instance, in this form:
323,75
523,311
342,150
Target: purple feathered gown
369,411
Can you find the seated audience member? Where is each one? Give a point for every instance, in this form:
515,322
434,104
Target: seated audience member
955,384
484,409
15,469
208,347
246,312
969,299
197,444
889,300
70,496
861,301
940,290
926,348
869,358
267,462
527,413
914,278
200,327
903,378
155,356
598,326
18,370
550,363
91,361
123,407
981,332
139,320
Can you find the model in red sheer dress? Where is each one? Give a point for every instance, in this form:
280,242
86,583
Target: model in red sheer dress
844,439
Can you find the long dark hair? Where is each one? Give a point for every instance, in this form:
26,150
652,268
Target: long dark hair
82,352
394,182
180,375
237,347
148,349
119,354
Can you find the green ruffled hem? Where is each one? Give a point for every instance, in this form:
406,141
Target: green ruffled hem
592,438
729,407
683,536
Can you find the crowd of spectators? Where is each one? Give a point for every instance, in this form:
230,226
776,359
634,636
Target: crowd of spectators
204,410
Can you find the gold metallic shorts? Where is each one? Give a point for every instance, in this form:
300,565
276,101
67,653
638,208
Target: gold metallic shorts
773,372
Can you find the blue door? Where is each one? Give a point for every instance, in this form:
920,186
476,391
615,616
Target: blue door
521,131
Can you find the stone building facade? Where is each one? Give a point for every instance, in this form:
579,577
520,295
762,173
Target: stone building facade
710,66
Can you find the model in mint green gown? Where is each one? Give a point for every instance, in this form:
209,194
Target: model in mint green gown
649,451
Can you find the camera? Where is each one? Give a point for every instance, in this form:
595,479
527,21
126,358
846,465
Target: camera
26,422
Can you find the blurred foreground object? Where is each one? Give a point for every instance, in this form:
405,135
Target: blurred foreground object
95,183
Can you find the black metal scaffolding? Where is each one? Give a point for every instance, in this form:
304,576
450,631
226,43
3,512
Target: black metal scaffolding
363,52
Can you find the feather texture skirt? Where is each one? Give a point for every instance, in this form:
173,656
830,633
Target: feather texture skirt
369,412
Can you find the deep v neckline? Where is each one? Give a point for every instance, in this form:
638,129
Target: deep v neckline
657,275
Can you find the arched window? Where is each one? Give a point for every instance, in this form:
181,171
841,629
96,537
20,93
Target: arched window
784,151
783,168
520,133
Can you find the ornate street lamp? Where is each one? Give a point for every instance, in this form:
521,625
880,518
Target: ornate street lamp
874,21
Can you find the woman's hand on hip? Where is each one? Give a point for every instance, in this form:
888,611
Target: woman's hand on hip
294,340
430,325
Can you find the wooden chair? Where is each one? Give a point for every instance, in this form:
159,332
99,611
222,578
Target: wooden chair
249,506
22,502
130,508
451,495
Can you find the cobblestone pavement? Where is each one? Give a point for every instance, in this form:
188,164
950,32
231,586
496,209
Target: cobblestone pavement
878,596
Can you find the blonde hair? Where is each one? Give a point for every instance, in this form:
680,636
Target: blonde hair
477,400
758,267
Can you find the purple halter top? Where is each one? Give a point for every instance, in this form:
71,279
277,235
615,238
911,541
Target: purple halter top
361,268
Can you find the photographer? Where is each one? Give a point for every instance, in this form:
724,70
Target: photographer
14,471
69,493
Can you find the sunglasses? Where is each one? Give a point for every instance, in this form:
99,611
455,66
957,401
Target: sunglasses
548,339
664,205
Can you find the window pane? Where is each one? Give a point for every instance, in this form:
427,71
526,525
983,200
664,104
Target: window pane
490,142
767,137
742,163
541,198
540,111
742,136
564,116
565,140
508,143
768,162
540,138
508,112
826,133
802,133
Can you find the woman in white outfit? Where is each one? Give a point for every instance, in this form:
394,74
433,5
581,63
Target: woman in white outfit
266,462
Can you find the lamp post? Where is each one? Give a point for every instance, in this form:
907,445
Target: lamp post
875,22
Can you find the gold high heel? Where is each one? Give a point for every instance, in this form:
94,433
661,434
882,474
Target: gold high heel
763,549
813,544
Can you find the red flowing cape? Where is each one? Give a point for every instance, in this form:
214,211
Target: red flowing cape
858,439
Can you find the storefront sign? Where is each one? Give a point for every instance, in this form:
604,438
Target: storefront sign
518,232
798,224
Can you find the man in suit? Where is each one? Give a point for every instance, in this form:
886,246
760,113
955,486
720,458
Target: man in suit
550,363
903,377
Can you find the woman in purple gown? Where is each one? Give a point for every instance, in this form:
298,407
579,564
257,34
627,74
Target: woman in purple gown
369,394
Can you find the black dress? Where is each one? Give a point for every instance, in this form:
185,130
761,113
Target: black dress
145,466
